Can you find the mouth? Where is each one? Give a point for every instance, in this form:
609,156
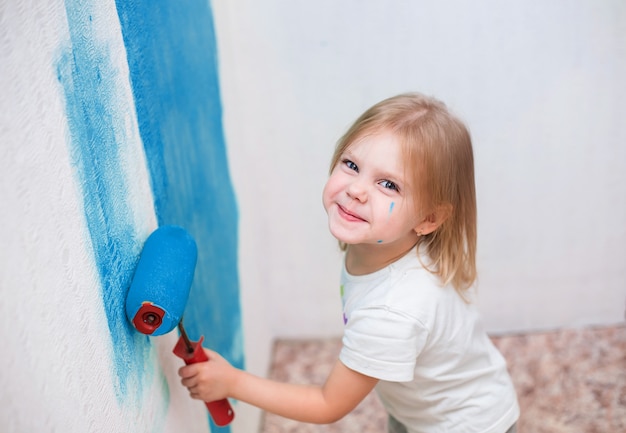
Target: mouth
347,215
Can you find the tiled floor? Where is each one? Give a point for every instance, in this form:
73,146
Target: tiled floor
570,381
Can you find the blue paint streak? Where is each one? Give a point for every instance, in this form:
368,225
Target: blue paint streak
393,203
89,80
172,59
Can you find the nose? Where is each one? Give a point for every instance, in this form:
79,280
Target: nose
357,191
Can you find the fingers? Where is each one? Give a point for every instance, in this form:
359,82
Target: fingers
203,380
190,379
188,371
189,383
193,393
192,386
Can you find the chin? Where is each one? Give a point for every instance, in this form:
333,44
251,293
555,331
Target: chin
348,240
341,237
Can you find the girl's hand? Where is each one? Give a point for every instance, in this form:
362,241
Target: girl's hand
216,379
211,380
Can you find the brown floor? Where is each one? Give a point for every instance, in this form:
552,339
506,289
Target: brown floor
569,381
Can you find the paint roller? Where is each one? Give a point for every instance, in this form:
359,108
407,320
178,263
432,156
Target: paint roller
158,295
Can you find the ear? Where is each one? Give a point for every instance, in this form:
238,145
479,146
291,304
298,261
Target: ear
434,219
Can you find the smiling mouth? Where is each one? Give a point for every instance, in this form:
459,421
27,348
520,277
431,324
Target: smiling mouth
346,214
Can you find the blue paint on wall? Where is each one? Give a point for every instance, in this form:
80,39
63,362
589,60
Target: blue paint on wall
173,69
89,83
172,59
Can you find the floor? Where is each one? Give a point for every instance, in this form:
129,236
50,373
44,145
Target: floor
569,381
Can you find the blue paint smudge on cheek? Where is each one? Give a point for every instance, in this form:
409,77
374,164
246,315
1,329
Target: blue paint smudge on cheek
89,81
391,208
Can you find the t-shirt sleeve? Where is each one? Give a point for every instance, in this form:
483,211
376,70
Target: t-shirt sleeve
382,343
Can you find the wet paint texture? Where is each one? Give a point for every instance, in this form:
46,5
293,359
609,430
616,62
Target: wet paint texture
96,124
173,70
172,60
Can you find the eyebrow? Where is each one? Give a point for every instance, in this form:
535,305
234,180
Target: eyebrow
346,154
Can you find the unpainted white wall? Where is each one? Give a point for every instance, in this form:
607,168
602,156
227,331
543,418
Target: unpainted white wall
541,86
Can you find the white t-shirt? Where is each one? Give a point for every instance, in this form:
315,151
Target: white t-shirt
438,370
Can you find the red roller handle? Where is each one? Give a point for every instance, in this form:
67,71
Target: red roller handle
220,410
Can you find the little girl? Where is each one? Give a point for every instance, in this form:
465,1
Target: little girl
401,201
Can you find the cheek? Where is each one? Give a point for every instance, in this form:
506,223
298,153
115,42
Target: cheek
334,186
328,193
396,217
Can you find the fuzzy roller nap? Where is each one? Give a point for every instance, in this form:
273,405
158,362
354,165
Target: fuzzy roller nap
160,287
158,295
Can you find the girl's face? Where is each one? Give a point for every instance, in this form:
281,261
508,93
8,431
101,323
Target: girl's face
367,197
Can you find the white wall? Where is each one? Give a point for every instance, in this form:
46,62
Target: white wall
541,86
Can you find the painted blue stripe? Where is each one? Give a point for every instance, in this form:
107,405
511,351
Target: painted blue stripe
172,59
89,81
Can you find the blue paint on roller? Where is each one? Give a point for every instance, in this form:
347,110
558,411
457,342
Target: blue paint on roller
162,279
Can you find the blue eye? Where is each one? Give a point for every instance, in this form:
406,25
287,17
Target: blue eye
351,165
388,184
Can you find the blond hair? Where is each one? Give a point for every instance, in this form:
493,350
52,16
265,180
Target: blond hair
440,164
